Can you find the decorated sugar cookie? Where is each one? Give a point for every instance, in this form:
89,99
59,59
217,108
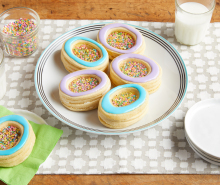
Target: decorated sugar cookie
137,69
82,90
118,39
123,106
80,53
17,139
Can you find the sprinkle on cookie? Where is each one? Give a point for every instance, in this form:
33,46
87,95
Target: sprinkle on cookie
86,54
83,84
9,137
124,99
120,40
134,69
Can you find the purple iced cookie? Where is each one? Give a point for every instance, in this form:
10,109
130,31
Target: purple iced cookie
82,90
118,38
146,73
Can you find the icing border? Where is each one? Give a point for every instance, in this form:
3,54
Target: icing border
154,68
21,120
108,107
67,48
102,37
98,73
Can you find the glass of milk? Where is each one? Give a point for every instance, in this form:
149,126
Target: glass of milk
192,18
2,75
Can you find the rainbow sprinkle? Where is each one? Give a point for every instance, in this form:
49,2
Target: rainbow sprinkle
19,27
124,99
9,137
22,45
120,40
83,84
134,69
86,54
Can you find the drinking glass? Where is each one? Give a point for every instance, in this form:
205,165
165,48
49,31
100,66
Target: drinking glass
192,19
2,75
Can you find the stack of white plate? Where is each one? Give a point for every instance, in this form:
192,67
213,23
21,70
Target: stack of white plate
202,129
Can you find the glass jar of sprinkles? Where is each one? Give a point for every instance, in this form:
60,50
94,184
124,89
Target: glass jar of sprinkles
19,31
2,75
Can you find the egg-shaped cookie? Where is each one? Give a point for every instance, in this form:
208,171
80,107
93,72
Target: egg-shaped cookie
123,106
17,140
80,53
82,90
118,39
136,69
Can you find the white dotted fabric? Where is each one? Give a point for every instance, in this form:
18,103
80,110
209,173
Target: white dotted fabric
161,149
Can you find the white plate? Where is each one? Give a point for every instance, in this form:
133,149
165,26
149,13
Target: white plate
200,151
202,125
29,116
50,71
201,155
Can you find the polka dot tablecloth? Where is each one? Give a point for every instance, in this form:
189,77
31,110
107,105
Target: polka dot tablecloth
161,149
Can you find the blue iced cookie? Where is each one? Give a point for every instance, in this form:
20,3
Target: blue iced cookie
123,106
80,53
16,140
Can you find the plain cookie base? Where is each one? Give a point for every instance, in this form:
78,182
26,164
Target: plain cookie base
71,65
85,102
150,86
118,121
114,54
22,154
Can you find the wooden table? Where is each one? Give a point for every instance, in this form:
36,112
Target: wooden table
137,10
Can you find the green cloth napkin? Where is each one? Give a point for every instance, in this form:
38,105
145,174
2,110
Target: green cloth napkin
46,139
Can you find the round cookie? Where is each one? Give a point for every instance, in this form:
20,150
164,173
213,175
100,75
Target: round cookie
19,133
123,106
136,69
80,53
118,39
82,90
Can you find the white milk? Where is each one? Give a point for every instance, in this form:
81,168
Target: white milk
2,77
190,28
